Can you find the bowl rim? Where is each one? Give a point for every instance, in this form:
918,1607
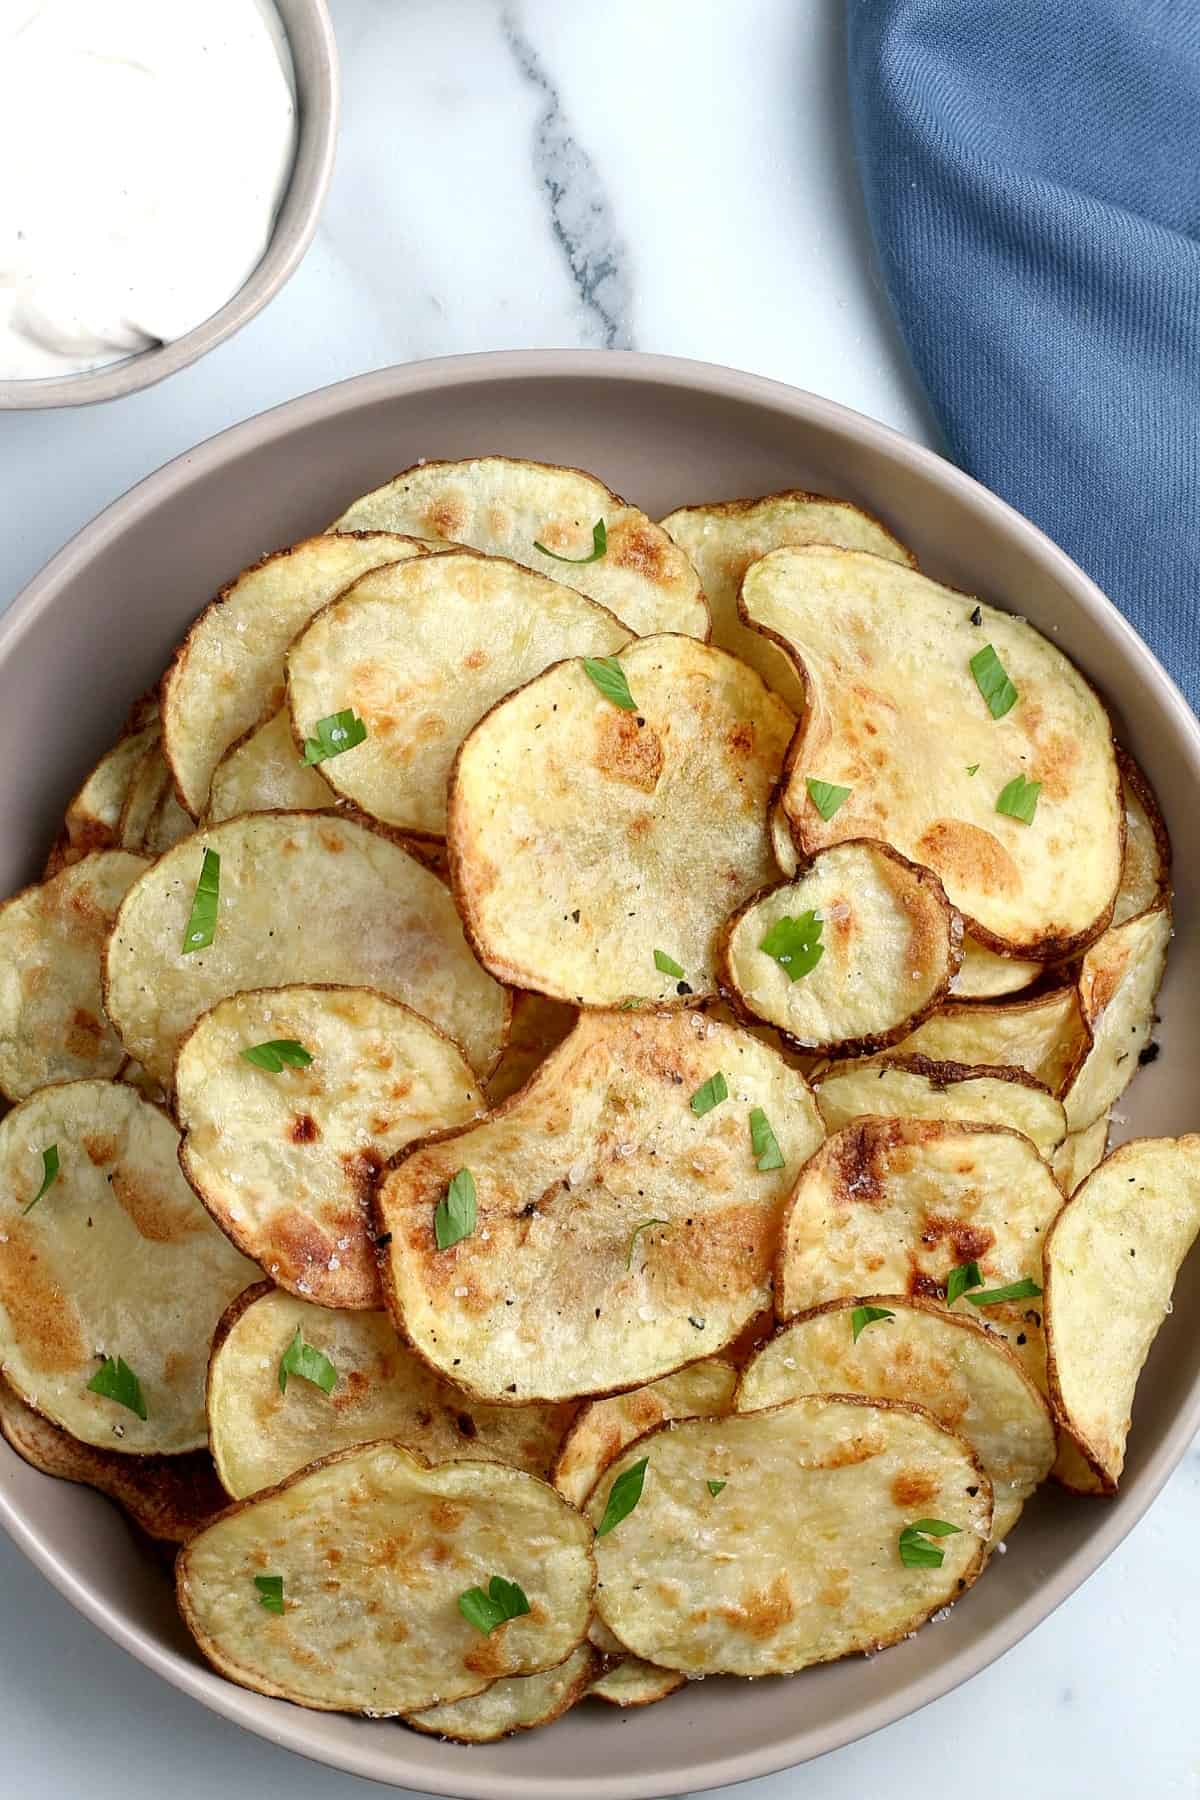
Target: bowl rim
296,1728
318,112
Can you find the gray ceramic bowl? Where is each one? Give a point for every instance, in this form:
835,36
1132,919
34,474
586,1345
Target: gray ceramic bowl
314,58
97,626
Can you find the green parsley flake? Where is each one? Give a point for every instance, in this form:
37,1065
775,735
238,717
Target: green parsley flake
763,1142
115,1380
503,1601
991,678
275,1053
623,1496
916,1552
636,1233
308,1362
49,1176
270,1592
608,675
599,547
826,796
1018,799
336,733
454,1218
795,944
862,1316
1016,1290
959,1280
714,1487
709,1094
666,965
972,768
202,920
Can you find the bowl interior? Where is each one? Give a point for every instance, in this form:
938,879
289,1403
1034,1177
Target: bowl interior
97,627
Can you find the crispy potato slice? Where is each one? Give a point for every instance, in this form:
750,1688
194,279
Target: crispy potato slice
722,539
519,1703
1119,980
893,1205
93,817
632,1682
782,842
581,835
801,1558
538,1026
982,975
506,507
1079,1153
950,1365
420,651
227,675
169,824
1111,1262
304,896
263,772
167,1497
1146,868
260,1435
148,788
117,1258
52,1023
568,1286
285,1159
889,944
603,1428
912,1087
1045,1036
895,715
382,1633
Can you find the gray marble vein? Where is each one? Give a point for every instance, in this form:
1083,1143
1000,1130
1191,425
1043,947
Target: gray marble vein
581,214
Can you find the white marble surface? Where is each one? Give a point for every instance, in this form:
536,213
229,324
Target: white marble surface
668,175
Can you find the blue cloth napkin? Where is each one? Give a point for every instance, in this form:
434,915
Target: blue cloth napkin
1032,173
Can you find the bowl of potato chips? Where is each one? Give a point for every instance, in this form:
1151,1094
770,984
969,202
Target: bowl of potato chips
595,1069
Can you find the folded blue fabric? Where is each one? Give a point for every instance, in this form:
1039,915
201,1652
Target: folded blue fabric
1032,173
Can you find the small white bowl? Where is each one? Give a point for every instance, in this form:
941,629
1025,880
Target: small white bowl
310,37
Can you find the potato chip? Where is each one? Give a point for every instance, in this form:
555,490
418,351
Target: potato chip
581,834
847,956
1119,980
912,1087
982,975
895,714
52,1023
260,1435
519,1703
604,1427
148,785
892,1206
93,818
507,507
538,1027
168,1497
722,539
108,1262
1111,1262
373,1552
1045,1036
621,1227
796,1559
1146,868
284,1153
303,896
264,772
950,1365
169,824
227,675
1079,1153
632,1682
420,651
782,842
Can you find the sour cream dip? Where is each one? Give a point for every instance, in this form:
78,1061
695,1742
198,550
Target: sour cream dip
145,146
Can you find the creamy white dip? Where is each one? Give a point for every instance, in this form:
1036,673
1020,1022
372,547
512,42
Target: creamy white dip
145,146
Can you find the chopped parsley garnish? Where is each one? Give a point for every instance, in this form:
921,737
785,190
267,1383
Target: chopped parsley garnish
972,768
666,965
275,1053
49,1176
270,1592
202,920
635,1234
862,1316
503,1601
714,1487
991,678
795,944
599,546
115,1380
763,1143
308,1362
336,733
1026,1289
608,675
623,1496
1018,799
455,1216
959,1280
631,1003
826,796
916,1552
709,1094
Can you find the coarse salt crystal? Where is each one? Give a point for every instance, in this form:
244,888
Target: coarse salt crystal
460,1293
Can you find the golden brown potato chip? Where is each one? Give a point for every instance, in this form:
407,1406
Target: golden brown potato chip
1045,1036
284,1156
950,1365
108,1263
52,1023
538,1026
1146,868
1111,1262
801,1543
1079,1153
722,539
622,1229
632,1682
169,824
895,714
420,651
518,1703
582,835
227,675
885,940
168,1497
263,772
507,507
894,1205
782,842
912,1087
260,1434
982,975
93,818
604,1427
148,785
303,896
1119,980
373,1551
